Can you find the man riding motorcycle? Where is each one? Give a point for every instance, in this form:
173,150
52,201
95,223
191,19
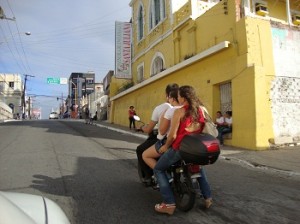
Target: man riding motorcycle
151,130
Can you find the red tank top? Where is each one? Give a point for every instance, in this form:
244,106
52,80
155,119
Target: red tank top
181,132
131,113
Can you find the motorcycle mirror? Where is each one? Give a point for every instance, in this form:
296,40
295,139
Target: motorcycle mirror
137,118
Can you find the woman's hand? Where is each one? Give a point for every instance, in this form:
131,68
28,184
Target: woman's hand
163,149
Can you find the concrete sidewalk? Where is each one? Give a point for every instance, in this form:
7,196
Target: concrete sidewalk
284,161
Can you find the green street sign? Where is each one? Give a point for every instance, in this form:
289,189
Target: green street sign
62,81
53,80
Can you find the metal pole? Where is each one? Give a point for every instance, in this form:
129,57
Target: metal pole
29,108
23,96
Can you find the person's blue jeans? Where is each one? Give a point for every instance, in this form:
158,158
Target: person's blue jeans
204,185
222,132
165,161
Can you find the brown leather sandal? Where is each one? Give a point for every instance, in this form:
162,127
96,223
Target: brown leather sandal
165,208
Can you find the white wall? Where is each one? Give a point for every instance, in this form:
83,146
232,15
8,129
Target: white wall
285,90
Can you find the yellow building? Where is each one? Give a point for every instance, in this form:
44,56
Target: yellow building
240,55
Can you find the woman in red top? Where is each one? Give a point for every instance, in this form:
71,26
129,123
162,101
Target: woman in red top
131,113
186,120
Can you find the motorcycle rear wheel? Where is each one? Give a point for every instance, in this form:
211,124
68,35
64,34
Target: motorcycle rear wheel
184,193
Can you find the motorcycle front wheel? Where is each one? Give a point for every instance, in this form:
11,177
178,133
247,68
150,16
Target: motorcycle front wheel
184,193
141,173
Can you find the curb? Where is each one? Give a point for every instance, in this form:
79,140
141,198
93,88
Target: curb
122,131
260,166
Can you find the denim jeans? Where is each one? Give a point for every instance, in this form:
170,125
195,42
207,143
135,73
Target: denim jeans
165,161
222,132
204,185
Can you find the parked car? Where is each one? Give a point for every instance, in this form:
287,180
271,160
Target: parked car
53,115
21,208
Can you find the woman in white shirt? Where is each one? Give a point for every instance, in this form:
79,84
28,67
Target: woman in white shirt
151,154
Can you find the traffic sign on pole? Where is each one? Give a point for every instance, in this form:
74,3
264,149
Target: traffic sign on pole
61,81
53,80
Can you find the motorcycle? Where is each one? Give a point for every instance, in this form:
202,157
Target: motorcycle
196,150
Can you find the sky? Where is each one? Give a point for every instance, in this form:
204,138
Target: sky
66,36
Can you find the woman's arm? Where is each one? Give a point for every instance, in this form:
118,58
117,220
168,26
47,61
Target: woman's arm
147,128
175,121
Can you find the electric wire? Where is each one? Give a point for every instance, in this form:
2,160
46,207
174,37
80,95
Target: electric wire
21,65
83,31
11,51
20,39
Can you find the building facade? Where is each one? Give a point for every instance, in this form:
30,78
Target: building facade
239,55
11,87
80,85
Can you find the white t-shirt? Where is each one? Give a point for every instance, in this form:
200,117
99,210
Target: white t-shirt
228,120
220,120
168,115
156,114
170,112
159,110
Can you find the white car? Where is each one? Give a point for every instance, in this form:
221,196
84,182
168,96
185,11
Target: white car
20,208
53,115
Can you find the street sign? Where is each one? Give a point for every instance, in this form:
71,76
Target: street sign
53,80
61,81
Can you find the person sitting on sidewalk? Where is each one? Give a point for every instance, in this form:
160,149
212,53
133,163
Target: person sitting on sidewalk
219,119
226,126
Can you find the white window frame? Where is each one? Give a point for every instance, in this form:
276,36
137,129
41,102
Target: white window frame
153,14
155,68
11,85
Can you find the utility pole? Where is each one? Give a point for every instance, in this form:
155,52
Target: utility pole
29,108
23,96
3,16
62,104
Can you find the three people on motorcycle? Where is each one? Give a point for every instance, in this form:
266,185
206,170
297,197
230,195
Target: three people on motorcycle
186,119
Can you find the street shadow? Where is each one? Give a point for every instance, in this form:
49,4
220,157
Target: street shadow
105,191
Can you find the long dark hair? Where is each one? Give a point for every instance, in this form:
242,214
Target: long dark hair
189,94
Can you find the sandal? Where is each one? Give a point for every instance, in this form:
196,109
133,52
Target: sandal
208,203
165,208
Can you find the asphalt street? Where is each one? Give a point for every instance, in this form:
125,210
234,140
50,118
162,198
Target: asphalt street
90,171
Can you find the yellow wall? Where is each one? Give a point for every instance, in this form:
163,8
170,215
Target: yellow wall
247,64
